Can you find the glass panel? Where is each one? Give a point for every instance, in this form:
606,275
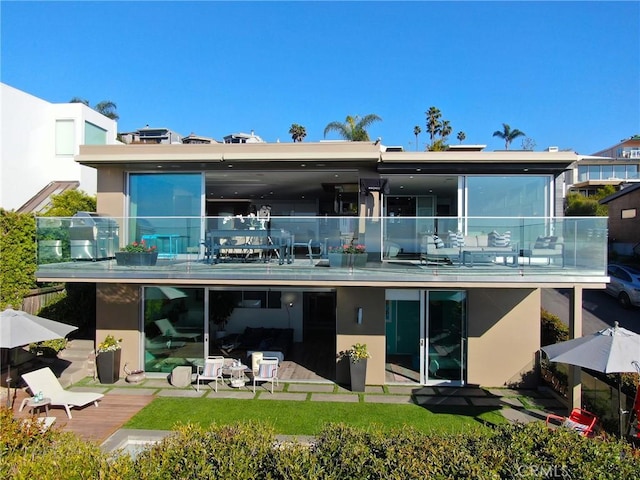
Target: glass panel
403,339
65,137
173,327
607,171
171,206
632,171
594,172
94,135
509,196
446,321
583,173
619,171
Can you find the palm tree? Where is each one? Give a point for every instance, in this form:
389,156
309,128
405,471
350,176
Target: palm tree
433,122
297,132
445,130
417,131
508,135
353,129
105,107
461,136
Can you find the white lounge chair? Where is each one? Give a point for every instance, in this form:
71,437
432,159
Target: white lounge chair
168,330
267,372
45,381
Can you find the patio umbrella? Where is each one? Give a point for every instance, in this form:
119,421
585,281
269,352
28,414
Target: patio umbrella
611,350
18,328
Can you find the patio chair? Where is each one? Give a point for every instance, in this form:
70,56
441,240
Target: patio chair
579,420
168,330
267,372
45,381
211,370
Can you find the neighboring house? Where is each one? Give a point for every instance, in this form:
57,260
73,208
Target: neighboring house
614,166
458,245
192,138
151,135
624,220
39,141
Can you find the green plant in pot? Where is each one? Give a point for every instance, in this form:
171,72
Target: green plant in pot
221,306
357,356
108,359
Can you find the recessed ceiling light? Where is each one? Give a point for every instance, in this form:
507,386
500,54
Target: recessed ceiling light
230,166
303,165
410,176
418,169
401,186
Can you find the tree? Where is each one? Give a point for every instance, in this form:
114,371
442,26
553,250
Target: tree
353,129
508,135
578,205
445,130
69,203
105,107
433,122
528,144
297,132
461,136
417,131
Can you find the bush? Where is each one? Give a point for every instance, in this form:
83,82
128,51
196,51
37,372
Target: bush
251,451
553,329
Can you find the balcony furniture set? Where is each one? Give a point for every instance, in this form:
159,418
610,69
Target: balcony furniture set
241,244
458,249
218,368
580,420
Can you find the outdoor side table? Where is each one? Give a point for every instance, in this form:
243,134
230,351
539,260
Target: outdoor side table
238,378
181,376
35,405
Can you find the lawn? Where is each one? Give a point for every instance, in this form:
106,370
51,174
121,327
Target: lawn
307,417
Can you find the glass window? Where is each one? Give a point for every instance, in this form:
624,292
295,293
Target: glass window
166,208
583,173
619,171
94,135
632,171
607,171
594,172
509,196
65,137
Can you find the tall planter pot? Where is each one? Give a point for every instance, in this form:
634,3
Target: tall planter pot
358,372
136,259
347,260
108,364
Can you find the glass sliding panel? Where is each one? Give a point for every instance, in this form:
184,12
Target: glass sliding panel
174,327
402,324
165,211
446,331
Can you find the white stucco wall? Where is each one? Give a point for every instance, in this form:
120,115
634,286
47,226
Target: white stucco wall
28,160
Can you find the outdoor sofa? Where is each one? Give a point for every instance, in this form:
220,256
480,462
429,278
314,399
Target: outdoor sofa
456,248
263,339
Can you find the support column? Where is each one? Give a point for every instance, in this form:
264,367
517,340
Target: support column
575,330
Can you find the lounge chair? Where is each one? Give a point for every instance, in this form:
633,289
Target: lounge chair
169,331
579,420
212,370
45,381
267,372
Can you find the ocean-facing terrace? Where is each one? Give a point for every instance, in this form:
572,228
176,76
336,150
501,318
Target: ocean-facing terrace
246,249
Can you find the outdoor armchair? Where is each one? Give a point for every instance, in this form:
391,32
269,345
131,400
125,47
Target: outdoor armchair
45,381
267,372
579,420
211,370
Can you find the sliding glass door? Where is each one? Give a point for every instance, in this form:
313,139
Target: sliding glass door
446,336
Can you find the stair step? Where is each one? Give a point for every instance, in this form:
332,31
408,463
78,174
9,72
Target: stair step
72,375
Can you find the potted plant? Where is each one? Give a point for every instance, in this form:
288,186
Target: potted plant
137,254
348,255
221,306
358,355
108,359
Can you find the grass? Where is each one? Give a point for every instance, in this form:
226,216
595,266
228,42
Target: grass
307,417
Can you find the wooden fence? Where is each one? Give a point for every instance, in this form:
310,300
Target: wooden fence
39,297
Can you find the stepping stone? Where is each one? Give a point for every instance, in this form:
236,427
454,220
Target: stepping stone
266,395
514,416
395,399
236,394
462,392
424,391
487,402
333,397
180,393
405,390
438,400
374,389
310,387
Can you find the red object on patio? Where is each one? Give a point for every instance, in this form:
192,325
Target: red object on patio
579,420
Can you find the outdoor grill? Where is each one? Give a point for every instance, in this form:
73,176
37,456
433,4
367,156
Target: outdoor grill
93,236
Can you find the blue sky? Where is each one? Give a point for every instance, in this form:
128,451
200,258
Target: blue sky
565,73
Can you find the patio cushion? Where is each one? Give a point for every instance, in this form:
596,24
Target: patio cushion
438,241
456,239
499,240
267,370
211,370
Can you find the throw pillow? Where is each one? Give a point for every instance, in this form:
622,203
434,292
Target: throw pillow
542,242
267,370
497,240
211,370
438,241
456,239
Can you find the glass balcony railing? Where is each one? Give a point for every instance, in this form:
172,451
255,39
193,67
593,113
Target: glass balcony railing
420,245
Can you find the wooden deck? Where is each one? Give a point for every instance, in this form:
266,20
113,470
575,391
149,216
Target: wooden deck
91,423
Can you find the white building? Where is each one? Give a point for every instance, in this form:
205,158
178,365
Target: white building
38,143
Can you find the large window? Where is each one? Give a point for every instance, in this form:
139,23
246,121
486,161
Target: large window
166,209
508,196
94,135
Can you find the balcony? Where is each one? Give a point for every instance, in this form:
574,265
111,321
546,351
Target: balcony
296,250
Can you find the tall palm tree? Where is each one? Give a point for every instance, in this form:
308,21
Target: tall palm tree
445,130
461,136
417,131
297,132
105,107
433,122
508,135
353,129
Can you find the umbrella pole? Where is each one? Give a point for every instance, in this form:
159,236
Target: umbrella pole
621,411
9,384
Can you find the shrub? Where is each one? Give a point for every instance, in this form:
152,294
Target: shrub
553,329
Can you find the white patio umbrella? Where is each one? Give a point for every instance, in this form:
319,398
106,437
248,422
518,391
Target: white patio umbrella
18,328
611,350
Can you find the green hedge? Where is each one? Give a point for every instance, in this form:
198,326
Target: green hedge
17,257
250,451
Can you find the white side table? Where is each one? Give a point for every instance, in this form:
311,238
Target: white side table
238,378
34,405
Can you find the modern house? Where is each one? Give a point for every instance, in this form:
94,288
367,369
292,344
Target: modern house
614,166
39,141
458,246
624,220
152,135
